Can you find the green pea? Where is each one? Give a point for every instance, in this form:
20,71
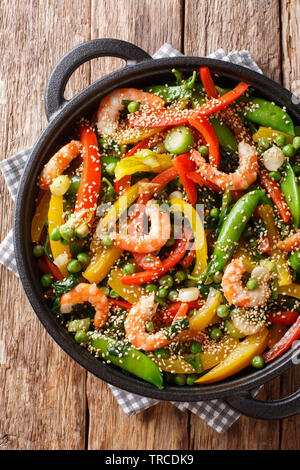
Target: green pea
195,347
161,353
180,276
67,233
55,235
149,326
275,175
172,295
166,280
296,170
162,293
179,140
214,212
294,261
81,337
113,294
203,150
151,288
264,143
46,280
129,268
170,242
223,311
105,290
74,266
180,379
83,258
280,140
74,186
288,150
110,169
106,241
252,284
258,362
296,142
215,333
191,379
133,106
38,251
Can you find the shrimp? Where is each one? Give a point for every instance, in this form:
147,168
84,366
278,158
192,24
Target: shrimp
290,243
241,179
84,292
158,235
111,105
136,320
239,295
58,163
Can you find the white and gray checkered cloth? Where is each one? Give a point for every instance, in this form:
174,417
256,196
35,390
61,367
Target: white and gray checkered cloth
216,413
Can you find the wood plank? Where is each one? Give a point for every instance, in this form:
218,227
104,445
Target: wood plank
162,426
42,404
238,24
290,17
234,25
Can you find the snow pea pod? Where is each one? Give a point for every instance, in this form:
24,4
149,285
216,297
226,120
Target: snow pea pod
267,114
291,193
224,135
171,93
231,232
131,360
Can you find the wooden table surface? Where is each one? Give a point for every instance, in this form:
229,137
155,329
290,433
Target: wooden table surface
47,400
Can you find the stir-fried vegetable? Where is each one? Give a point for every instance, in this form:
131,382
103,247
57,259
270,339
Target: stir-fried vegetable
168,240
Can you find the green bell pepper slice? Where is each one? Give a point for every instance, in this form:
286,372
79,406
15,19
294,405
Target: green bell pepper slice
291,193
267,114
133,360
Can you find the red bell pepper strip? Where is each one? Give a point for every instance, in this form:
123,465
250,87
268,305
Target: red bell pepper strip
49,268
206,130
150,275
284,343
275,193
188,259
208,83
169,314
173,117
283,318
119,303
122,184
184,164
232,119
88,192
197,178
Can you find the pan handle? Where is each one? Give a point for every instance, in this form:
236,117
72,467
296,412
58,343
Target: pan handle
54,95
276,409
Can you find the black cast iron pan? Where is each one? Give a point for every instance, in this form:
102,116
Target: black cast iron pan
140,70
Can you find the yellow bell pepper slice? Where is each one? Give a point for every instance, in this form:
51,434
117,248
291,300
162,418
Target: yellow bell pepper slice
270,134
129,293
132,135
199,233
238,359
209,358
111,217
243,251
278,256
205,314
40,217
146,160
56,219
101,263
293,290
